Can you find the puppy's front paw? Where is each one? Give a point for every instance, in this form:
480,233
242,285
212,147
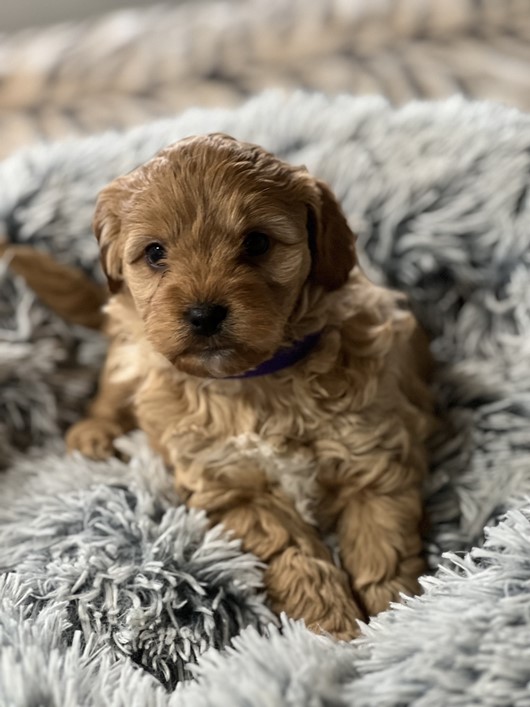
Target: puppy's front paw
315,590
93,437
377,597
344,629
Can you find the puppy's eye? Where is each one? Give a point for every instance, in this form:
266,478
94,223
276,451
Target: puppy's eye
155,254
256,244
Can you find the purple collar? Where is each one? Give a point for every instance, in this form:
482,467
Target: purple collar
283,358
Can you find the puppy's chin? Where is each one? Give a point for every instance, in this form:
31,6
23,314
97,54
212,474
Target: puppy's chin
220,363
221,356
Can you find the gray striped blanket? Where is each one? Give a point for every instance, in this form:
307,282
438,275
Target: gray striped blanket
131,66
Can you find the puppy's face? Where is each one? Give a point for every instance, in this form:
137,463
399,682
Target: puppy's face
215,240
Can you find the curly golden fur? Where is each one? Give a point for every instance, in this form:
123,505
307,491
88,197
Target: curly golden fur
333,444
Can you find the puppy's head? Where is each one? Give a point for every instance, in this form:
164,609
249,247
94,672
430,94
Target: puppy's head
215,240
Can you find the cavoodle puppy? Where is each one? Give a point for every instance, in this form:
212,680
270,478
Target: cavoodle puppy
285,390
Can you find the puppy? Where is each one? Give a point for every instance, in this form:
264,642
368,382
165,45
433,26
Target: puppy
285,390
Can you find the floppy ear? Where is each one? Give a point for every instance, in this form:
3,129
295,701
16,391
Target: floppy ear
107,227
331,240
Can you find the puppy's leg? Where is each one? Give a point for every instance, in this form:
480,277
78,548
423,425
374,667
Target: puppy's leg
64,289
109,416
300,576
380,543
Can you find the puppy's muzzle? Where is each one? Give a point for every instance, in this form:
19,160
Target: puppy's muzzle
206,319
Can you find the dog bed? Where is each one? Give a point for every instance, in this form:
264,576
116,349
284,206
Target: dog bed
112,593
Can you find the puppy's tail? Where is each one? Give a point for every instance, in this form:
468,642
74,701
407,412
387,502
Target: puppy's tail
64,289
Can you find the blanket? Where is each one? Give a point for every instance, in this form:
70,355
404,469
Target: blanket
113,593
131,66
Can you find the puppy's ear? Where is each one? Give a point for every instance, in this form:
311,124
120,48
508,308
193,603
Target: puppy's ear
107,227
331,240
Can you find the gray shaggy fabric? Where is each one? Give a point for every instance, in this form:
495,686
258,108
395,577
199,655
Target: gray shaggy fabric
111,591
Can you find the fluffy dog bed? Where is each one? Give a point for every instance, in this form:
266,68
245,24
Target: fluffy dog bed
110,589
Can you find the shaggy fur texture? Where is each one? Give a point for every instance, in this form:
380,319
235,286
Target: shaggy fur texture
340,436
102,575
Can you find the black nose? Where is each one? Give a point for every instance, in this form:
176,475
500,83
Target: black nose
206,319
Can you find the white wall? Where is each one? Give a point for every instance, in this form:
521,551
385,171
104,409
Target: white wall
17,14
